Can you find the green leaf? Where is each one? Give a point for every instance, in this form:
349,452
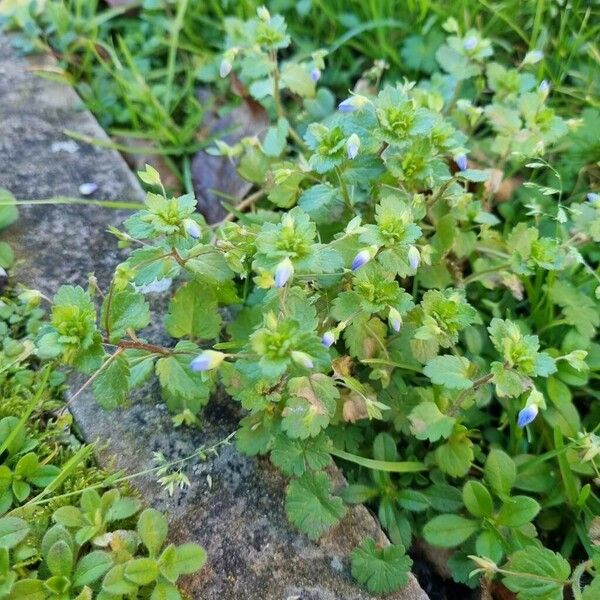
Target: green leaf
124,310
477,499
60,558
91,567
8,212
182,387
428,423
449,531
455,456
474,175
489,546
275,138
12,531
114,582
210,266
141,571
111,385
193,312
310,505
69,516
518,511
500,471
28,589
123,508
294,457
165,591
412,500
382,570
542,574
189,558
152,528
450,371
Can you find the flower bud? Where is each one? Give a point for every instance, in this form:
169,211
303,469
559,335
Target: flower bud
263,14
461,162
352,104
207,360
414,258
527,415
470,43
362,258
30,297
225,67
352,146
544,88
315,74
395,319
283,272
303,359
533,57
593,197
192,228
328,339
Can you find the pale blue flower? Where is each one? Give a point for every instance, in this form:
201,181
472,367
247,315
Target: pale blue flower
414,258
362,258
351,104
461,162
544,87
593,197
395,319
470,43
192,228
328,339
527,415
302,359
283,272
225,67
207,360
352,146
315,74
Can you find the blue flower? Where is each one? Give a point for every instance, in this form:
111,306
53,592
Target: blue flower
192,228
328,339
352,146
207,360
470,43
87,189
527,415
593,197
225,67
283,272
315,74
461,162
544,87
362,258
414,258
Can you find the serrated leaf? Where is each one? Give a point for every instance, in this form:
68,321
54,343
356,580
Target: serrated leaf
122,311
111,385
310,505
429,423
193,312
449,371
548,574
294,457
382,570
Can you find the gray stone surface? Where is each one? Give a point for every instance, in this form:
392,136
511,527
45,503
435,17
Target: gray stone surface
234,507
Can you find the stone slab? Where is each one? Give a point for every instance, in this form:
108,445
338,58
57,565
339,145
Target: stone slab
234,507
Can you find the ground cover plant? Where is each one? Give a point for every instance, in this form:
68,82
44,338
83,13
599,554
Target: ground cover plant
414,293
67,529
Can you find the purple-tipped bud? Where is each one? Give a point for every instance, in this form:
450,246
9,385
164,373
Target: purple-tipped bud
283,272
192,228
527,415
328,339
414,258
87,189
303,359
395,319
470,43
351,104
461,162
352,146
315,74
362,258
225,67
207,360
544,87
593,197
